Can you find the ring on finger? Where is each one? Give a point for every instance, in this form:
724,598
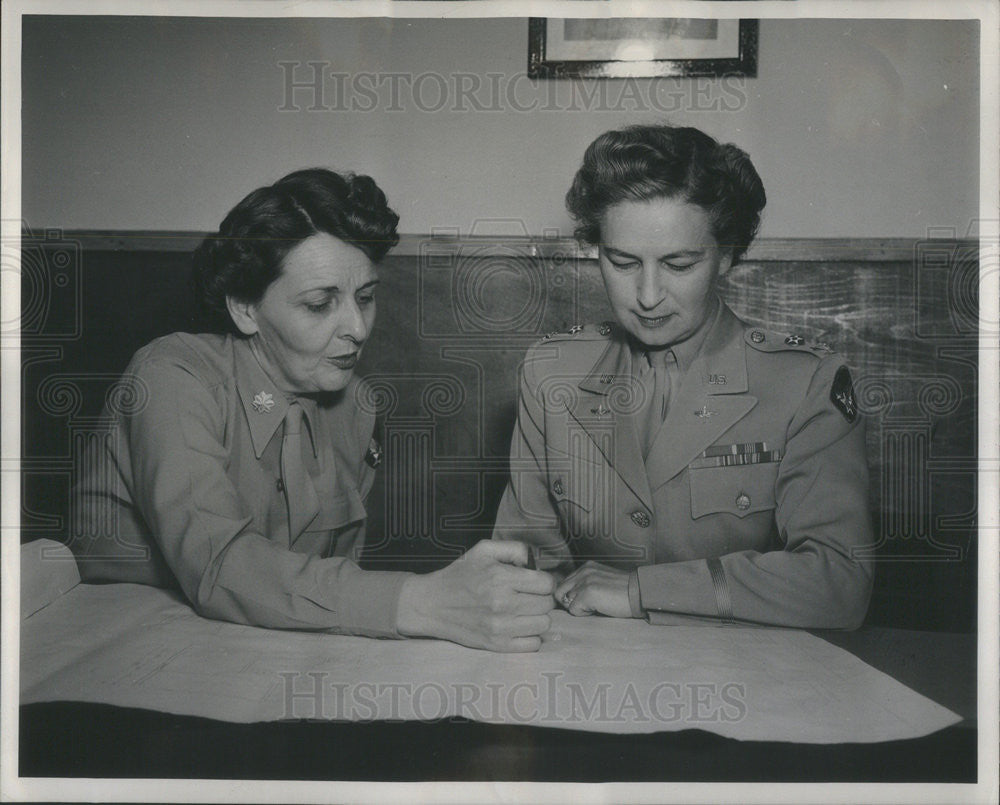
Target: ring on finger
568,597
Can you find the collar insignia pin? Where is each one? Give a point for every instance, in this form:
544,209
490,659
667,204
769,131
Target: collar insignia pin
704,412
263,402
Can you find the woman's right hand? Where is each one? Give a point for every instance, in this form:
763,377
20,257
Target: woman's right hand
486,599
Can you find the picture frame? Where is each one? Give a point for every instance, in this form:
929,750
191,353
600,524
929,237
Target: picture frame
641,48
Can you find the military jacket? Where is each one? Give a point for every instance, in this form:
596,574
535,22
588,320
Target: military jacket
184,486
752,503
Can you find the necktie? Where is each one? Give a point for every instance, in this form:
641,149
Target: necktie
300,494
656,412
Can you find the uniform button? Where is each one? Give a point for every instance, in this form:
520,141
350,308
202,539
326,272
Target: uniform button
757,336
279,485
640,518
742,501
557,487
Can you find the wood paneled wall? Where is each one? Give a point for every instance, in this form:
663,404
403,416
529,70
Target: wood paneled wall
454,319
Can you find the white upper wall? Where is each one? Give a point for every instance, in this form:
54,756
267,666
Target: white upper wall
858,128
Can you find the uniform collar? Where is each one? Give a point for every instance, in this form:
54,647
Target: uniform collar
685,352
717,352
264,405
615,364
721,361
710,399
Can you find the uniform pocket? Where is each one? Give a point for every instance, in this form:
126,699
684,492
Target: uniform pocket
739,490
336,511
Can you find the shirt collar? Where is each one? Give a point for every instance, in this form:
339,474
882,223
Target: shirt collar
265,406
684,352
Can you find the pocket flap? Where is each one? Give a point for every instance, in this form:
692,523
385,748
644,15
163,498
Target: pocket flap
733,490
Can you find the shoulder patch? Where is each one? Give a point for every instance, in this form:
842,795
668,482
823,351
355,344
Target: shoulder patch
373,457
842,394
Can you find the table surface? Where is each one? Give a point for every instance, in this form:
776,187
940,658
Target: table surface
940,665
89,740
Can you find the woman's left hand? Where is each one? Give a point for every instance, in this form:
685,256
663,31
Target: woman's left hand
595,588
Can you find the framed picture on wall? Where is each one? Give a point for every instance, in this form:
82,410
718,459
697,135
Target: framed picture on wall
641,48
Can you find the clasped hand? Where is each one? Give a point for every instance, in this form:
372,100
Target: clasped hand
486,599
594,588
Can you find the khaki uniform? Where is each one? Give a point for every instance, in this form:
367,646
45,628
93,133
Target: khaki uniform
186,485
752,500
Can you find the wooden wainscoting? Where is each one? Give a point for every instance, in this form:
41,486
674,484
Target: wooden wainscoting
455,316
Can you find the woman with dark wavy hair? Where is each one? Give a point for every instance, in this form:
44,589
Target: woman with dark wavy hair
241,471
679,462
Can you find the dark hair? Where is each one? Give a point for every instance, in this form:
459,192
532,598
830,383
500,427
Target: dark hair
244,257
641,163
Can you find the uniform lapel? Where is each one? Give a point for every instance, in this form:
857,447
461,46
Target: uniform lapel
711,399
265,407
601,408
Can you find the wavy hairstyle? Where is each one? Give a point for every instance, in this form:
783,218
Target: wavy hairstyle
245,256
642,163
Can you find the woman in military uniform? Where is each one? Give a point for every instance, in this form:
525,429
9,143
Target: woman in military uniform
239,468
679,462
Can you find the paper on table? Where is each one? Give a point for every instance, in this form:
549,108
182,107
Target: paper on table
138,646
48,569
